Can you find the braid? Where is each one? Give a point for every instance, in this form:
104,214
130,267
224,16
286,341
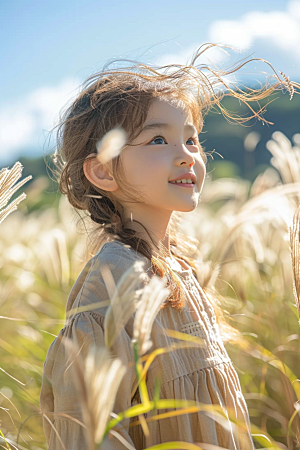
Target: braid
104,213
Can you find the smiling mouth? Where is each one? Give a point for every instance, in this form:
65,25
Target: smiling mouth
189,185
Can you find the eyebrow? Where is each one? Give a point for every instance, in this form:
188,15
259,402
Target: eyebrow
152,125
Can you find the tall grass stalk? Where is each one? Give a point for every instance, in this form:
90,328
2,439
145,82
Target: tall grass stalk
295,254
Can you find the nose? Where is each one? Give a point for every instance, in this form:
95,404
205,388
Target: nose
186,157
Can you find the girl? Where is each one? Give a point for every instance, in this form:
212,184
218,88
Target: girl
135,201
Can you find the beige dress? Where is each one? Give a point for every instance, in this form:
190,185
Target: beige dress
203,374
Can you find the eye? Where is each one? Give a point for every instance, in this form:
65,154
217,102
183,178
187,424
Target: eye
158,138
193,141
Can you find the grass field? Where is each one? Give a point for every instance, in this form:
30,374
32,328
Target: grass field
244,235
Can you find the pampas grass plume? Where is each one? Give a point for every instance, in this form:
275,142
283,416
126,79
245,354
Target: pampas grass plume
8,178
111,145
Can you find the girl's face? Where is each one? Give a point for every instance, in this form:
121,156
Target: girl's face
164,150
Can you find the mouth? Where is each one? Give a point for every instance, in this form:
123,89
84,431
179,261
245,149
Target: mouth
186,185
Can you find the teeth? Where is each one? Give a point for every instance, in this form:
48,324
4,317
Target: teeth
183,180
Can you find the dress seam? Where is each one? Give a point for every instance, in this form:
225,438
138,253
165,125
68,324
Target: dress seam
228,363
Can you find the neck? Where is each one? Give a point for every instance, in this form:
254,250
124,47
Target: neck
157,224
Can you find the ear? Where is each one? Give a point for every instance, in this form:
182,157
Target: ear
98,174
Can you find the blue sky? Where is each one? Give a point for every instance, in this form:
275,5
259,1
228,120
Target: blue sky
49,48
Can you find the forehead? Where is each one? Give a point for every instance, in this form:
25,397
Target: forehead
169,111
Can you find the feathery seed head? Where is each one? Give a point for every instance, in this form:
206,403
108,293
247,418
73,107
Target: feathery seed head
97,378
123,299
8,178
153,296
111,144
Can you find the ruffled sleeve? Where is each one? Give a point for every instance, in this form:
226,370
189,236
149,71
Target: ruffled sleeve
59,398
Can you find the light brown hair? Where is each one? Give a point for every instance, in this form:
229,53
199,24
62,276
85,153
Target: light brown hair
122,97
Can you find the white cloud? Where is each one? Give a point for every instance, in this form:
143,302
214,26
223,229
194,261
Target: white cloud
281,29
277,32
24,122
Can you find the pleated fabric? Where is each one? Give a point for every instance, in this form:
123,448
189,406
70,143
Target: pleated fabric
204,374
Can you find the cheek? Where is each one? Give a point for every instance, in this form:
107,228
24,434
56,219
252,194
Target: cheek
137,169
200,170
204,168
200,164
143,168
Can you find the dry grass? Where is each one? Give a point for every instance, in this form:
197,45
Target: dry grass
8,178
247,235
97,379
295,254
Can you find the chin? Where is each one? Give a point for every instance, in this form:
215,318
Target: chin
188,208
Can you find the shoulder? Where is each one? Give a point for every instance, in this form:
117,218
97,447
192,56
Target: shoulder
119,254
84,329
119,258
109,266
